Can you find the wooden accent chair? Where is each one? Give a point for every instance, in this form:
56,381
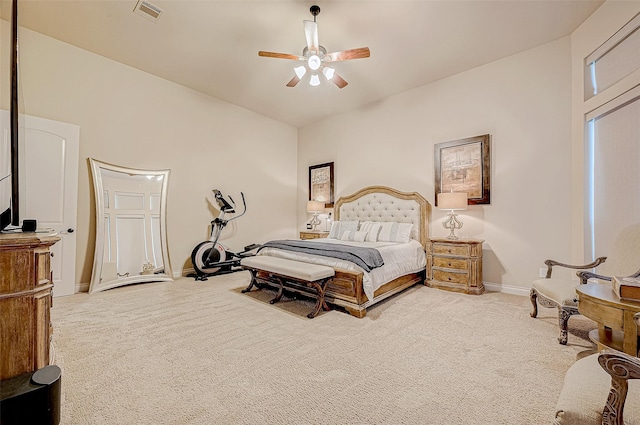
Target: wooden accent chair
560,293
584,400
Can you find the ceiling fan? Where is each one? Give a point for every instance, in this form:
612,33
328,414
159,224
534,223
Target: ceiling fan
316,58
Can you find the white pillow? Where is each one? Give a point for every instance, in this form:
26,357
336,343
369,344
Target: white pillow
360,236
357,236
372,228
335,230
374,231
347,235
365,225
395,232
347,225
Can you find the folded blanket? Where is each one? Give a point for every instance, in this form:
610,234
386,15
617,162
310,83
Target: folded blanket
366,258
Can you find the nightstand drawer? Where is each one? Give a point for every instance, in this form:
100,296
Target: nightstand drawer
313,235
451,263
451,249
451,277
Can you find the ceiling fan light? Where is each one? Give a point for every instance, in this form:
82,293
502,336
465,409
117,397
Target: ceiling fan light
315,80
300,71
328,72
314,62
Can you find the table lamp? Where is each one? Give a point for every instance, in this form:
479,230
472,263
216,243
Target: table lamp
315,207
452,201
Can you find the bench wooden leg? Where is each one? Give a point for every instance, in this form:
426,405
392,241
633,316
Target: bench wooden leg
278,279
320,302
253,282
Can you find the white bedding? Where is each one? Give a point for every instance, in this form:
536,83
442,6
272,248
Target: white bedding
399,259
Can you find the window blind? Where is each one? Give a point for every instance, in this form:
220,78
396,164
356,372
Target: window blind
618,57
614,171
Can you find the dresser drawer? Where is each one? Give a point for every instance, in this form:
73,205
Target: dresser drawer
451,263
451,249
452,277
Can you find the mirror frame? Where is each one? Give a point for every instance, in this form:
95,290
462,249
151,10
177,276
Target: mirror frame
97,284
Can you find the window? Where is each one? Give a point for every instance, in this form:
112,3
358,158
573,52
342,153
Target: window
613,60
613,171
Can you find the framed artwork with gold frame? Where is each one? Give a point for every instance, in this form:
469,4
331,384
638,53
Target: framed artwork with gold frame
464,166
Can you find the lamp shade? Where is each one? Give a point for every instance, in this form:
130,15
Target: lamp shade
452,201
315,206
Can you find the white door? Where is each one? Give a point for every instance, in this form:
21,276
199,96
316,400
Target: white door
49,190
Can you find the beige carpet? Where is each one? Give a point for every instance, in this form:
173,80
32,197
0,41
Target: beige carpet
189,352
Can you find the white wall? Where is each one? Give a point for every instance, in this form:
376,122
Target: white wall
131,118
523,101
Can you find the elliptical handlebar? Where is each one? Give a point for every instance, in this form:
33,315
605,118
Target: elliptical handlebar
244,207
226,207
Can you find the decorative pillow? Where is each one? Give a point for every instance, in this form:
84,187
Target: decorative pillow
351,236
347,235
374,231
366,225
360,236
335,230
395,232
347,225
372,228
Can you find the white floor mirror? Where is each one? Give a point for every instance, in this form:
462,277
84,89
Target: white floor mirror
131,236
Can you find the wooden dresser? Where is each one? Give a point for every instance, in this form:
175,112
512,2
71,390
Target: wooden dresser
311,234
455,265
25,300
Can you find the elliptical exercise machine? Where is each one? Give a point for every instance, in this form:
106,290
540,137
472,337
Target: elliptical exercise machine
211,257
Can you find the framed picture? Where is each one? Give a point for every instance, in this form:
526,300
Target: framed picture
464,166
321,183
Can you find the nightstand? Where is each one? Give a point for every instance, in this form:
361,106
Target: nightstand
313,234
455,265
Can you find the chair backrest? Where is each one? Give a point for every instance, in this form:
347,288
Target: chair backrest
624,258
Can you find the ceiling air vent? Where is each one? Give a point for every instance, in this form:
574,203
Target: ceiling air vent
148,10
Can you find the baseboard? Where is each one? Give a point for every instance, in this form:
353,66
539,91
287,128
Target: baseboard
506,289
82,287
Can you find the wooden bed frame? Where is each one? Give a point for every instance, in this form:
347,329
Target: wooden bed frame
376,203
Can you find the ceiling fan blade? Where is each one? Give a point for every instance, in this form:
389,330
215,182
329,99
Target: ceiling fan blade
280,55
292,83
311,33
360,53
339,81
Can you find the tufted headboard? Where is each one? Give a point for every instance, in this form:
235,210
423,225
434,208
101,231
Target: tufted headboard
380,203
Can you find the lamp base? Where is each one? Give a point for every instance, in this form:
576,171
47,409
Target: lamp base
314,221
452,224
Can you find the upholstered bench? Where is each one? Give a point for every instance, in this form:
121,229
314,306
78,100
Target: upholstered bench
589,396
292,274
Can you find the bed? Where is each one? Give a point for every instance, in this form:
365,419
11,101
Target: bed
352,287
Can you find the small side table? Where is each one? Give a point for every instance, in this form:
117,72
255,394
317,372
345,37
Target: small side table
616,327
455,265
313,234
